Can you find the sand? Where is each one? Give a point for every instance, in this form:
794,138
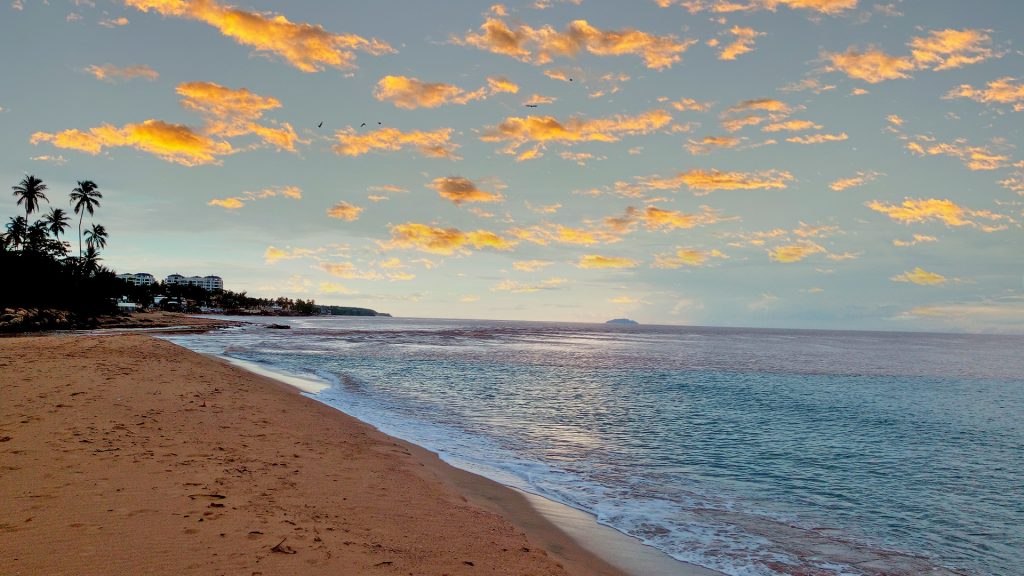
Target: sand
129,455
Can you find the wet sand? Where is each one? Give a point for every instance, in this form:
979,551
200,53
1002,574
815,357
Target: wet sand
129,455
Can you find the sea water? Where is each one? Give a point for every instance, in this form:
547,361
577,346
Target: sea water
753,452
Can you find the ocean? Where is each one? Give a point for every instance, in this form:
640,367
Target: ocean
749,451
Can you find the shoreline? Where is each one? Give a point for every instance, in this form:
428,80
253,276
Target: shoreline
140,456
621,551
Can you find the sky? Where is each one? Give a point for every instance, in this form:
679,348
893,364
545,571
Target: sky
834,164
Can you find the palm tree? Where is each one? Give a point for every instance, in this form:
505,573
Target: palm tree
17,230
30,191
56,221
86,197
91,262
96,237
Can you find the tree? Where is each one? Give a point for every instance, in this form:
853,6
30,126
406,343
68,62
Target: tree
17,230
86,197
96,237
91,261
30,191
56,221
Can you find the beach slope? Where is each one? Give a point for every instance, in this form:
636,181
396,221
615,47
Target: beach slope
130,455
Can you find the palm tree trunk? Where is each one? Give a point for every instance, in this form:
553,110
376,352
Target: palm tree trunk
82,215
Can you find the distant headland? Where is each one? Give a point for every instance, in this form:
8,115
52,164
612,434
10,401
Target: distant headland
625,321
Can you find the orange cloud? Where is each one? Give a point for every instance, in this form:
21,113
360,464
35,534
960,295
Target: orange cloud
921,277
171,142
743,43
531,265
871,65
925,210
459,190
273,254
344,211
791,126
705,181
760,104
654,218
595,261
444,241
999,91
433,144
818,138
945,49
974,157
709,143
918,239
541,45
230,113
348,271
542,130
412,93
307,47
520,287
236,202
831,7
859,180
111,73
794,252
689,104
685,257
548,233
538,100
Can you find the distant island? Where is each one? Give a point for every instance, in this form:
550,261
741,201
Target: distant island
625,321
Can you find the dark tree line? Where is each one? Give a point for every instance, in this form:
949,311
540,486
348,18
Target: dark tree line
39,269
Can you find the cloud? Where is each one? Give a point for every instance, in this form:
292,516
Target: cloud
348,271
763,302
548,233
654,218
459,190
334,288
762,105
274,254
390,188
791,126
917,239
818,138
939,50
689,104
685,257
872,65
58,160
111,73
531,265
859,180
433,144
538,100
1005,90
171,142
542,130
743,43
920,277
831,7
627,300
794,252
520,287
412,93
926,210
710,143
307,47
236,202
543,209
114,22
233,112
945,49
344,211
1014,183
973,157
469,298
993,315
541,45
705,181
595,261
444,241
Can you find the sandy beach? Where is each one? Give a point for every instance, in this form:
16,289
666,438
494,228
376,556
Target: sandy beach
126,454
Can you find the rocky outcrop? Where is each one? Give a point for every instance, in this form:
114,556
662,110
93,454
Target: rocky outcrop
37,320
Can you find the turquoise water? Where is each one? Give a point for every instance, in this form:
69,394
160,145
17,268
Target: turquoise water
747,451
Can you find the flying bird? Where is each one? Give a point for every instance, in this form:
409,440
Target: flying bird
363,124
378,124
530,105
320,125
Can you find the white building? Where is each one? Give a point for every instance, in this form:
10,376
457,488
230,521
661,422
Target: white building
208,283
140,279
